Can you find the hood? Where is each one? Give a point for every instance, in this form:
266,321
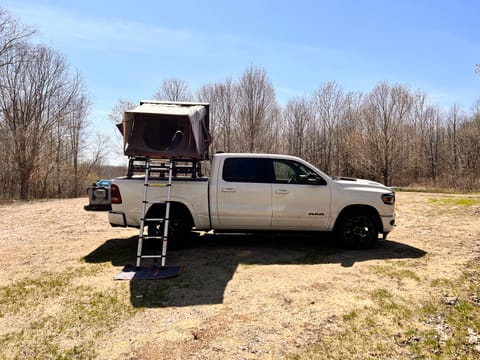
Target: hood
360,184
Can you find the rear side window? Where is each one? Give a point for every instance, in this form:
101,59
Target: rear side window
248,170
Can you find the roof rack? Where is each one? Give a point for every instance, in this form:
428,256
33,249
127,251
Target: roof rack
185,168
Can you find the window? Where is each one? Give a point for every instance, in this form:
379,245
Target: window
292,172
255,170
258,170
283,171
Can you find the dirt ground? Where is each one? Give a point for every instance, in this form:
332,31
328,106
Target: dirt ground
237,297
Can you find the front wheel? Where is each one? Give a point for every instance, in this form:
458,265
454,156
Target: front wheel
357,230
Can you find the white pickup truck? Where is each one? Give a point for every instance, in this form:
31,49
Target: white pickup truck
258,192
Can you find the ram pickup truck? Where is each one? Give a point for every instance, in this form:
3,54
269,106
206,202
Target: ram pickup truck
258,192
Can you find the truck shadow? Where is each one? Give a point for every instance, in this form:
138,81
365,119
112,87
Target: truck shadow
210,261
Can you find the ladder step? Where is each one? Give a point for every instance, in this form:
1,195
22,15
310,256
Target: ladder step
144,166
151,256
154,202
154,168
153,219
152,237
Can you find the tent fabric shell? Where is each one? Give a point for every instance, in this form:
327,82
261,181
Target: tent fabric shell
167,129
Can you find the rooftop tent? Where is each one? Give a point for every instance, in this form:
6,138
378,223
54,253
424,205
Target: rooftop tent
167,129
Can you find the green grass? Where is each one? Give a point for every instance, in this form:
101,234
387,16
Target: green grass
53,318
446,326
468,201
316,254
32,292
395,272
433,191
29,293
389,305
146,294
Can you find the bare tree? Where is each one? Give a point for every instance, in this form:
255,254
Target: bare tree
455,120
76,124
271,140
470,149
39,91
174,90
257,108
433,146
12,33
329,102
298,116
208,93
7,181
349,137
97,154
116,114
386,110
223,112
427,152
116,117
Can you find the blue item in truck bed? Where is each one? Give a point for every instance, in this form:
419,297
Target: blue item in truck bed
104,183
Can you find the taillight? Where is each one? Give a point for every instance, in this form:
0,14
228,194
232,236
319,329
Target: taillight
388,199
115,194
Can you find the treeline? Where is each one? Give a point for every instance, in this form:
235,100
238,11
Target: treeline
390,134
43,119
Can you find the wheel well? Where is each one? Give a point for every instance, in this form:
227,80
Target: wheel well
361,208
158,210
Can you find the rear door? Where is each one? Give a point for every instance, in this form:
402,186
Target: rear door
244,194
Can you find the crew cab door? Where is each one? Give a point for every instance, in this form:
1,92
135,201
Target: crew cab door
300,197
244,199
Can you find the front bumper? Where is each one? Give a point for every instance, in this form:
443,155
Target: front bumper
388,223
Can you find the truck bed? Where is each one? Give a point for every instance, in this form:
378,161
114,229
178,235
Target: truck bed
193,192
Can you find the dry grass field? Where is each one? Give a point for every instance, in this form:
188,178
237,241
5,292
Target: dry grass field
269,296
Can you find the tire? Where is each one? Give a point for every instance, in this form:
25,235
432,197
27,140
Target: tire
179,229
357,230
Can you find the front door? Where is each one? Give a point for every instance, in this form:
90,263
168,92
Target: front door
300,198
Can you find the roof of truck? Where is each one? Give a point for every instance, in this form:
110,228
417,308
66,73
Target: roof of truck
276,156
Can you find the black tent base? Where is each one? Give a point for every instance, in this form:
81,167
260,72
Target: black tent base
131,272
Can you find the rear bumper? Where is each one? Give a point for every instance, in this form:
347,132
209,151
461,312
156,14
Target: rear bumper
117,219
92,207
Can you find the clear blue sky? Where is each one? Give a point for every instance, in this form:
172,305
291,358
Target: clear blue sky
124,49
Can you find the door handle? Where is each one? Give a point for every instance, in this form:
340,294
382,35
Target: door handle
228,190
282,191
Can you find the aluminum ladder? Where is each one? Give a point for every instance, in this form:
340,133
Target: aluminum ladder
166,167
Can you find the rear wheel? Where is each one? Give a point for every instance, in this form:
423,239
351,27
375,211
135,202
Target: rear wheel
357,230
179,229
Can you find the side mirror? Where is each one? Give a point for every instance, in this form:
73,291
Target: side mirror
314,179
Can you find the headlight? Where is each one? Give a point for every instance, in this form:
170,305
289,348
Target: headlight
388,199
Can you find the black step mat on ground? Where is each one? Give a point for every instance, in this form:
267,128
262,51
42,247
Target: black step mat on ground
130,272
